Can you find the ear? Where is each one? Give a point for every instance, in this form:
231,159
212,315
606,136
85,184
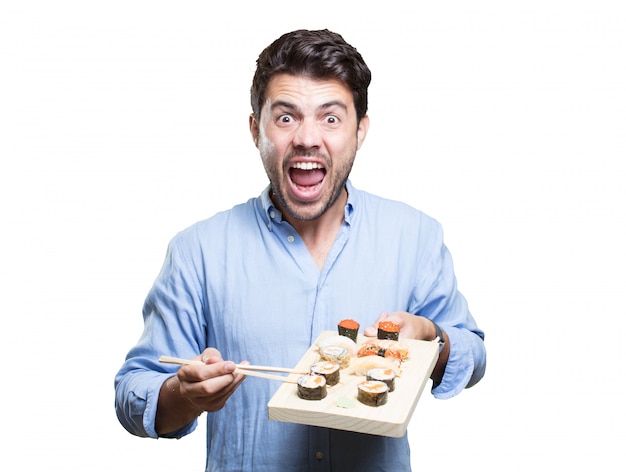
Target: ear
254,129
361,131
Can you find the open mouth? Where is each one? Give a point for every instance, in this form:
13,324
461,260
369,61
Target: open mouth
307,179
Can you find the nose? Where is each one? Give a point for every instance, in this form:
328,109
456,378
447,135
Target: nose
308,135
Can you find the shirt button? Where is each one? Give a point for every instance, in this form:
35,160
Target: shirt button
290,239
319,455
272,214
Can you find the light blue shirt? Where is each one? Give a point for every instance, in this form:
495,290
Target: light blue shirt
244,282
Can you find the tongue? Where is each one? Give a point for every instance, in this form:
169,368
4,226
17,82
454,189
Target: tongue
307,178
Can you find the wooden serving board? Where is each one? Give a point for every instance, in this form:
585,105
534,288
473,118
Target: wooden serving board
390,419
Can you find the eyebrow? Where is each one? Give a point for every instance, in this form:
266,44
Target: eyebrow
323,106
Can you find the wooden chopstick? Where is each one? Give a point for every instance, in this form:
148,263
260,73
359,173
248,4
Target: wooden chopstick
178,360
254,373
244,369
267,368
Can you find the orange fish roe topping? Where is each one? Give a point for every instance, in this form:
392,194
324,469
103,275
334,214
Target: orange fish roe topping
349,324
389,326
393,354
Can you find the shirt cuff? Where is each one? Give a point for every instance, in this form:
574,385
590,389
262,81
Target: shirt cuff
459,368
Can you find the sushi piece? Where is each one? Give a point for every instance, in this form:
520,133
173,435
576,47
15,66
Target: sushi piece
337,354
348,328
384,348
311,387
388,330
360,365
337,340
372,393
383,375
329,370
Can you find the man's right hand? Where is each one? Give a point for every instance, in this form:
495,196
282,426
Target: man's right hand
194,390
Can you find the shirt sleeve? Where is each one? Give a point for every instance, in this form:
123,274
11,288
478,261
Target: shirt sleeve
438,299
173,325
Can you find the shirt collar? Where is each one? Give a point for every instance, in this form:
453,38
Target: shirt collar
352,198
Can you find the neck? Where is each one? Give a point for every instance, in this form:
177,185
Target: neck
320,234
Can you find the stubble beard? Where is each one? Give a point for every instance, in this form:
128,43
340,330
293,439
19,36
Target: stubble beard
306,211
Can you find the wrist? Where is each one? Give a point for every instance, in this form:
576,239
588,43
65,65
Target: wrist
439,337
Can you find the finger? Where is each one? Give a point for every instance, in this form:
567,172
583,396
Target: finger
212,370
205,381
217,402
382,317
372,331
210,355
209,399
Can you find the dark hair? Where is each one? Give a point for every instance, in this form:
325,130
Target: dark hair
319,54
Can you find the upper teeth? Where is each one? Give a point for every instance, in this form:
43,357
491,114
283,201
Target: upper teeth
307,165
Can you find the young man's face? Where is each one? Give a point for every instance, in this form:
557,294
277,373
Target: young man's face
308,138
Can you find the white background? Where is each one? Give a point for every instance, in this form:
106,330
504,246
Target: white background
123,122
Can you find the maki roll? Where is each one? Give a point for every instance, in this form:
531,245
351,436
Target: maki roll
383,375
311,387
388,330
372,393
348,328
337,340
329,370
337,354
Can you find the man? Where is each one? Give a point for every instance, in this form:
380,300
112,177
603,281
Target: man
259,282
